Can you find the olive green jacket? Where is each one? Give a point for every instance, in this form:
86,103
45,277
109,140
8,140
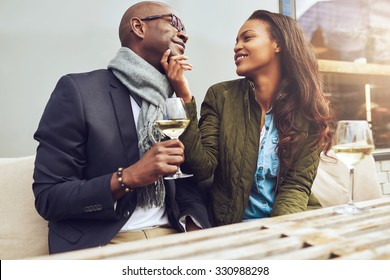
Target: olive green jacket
225,144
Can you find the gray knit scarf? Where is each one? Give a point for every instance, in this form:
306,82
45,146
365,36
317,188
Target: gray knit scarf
145,81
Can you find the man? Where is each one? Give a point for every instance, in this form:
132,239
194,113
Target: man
98,168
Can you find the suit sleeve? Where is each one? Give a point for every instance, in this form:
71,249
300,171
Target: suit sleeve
191,202
60,187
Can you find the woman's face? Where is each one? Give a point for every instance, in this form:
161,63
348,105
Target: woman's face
255,51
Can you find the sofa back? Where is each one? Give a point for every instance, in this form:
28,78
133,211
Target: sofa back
332,183
23,233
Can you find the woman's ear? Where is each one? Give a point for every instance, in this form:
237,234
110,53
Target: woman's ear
137,27
277,47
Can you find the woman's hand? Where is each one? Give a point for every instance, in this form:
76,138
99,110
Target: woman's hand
175,67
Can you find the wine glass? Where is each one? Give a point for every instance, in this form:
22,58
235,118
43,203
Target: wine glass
173,125
352,142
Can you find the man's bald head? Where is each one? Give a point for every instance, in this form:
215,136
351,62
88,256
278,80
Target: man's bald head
139,10
151,37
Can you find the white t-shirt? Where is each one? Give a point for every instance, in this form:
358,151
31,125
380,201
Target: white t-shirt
144,218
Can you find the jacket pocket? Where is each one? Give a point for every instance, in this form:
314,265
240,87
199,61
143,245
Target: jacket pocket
66,231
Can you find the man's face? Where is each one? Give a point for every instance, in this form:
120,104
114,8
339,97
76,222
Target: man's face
168,32
165,32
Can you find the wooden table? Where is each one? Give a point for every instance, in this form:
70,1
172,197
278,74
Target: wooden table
319,234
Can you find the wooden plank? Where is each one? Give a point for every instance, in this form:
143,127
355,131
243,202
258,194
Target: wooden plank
324,213
319,252
372,225
340,221
363,242
111,251
275,235
378,253
369,246
344,226
253,251
317,234
182,251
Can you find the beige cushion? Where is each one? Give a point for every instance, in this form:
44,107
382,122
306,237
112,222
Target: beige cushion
331,185
23,233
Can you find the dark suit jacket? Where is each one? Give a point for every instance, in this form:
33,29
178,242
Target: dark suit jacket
86,132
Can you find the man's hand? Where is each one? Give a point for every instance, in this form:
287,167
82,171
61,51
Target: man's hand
162,159
175,67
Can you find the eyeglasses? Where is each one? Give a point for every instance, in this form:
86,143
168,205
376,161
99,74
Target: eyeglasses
175,21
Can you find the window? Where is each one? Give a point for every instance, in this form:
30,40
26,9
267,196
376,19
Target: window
352,42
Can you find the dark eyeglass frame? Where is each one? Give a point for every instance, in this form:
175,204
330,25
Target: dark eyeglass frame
175,21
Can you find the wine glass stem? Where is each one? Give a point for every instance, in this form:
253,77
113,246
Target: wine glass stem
178,171
352,182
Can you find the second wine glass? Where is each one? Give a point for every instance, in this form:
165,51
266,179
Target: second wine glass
352,142
173,125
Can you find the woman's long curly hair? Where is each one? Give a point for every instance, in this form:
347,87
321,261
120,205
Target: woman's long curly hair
301,87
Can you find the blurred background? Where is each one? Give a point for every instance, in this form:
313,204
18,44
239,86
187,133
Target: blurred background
43,40
354,37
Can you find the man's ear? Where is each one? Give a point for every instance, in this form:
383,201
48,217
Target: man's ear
137,27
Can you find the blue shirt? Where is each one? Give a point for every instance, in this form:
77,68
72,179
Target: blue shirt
262,195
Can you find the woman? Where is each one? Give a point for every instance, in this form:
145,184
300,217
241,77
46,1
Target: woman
261,136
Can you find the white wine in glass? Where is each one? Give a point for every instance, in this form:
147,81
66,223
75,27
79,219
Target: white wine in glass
172,128
352,142
173,125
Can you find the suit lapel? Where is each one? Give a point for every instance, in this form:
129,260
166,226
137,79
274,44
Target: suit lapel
126,124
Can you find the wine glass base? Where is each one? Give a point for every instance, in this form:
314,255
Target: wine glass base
349,209
178,176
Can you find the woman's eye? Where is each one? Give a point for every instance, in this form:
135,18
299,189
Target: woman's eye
247,38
